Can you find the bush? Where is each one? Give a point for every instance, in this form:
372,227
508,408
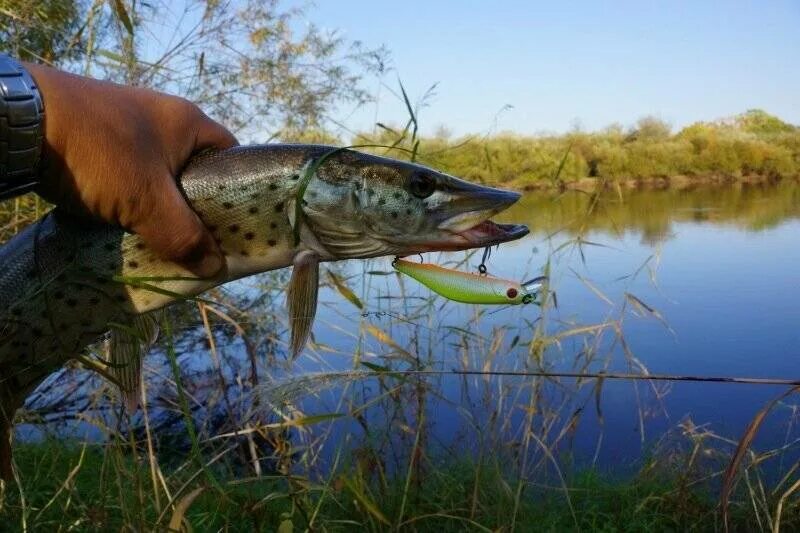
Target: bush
752,144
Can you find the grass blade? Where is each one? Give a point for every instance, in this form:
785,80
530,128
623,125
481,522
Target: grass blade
344,290
366,501
122,15
180,509
741,449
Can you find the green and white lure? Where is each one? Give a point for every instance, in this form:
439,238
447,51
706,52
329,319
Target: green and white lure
471,288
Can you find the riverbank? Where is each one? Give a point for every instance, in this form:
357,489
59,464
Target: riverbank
99,488
678,182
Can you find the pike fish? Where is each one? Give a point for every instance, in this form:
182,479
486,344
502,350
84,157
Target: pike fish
65,282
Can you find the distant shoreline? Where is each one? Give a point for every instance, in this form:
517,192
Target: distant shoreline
753,147
655,182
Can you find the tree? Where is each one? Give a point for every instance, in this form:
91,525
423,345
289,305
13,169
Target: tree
651,128
759,121
50,30
245,62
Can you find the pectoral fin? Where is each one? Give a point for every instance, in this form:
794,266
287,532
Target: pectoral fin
126,348
302,299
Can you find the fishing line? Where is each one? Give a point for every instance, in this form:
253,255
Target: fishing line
589,375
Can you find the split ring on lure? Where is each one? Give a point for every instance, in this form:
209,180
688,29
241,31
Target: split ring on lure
470,288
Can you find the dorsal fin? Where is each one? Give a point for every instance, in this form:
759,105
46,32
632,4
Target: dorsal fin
302,299
126,348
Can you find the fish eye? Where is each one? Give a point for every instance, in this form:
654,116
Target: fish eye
421,185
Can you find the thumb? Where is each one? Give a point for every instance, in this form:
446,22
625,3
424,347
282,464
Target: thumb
172,230
211,134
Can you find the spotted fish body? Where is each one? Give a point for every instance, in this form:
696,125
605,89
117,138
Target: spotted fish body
64,282
464,287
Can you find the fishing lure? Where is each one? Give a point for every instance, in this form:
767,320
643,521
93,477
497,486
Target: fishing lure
470,288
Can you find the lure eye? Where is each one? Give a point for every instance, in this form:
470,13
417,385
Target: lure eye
421,185
512,293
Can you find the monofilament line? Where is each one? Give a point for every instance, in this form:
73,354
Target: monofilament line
592,375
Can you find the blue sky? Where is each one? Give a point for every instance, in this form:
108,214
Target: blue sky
566,63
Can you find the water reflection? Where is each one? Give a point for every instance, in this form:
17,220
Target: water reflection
714,268
653,212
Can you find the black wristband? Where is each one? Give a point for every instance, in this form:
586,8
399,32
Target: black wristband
21,132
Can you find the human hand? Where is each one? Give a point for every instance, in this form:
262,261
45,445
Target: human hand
112,152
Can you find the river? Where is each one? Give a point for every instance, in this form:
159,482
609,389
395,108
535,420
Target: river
702,281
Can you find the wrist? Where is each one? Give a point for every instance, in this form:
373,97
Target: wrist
50,91
21,131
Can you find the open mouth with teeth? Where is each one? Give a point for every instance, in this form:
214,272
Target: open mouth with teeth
488,233
465,220
482,234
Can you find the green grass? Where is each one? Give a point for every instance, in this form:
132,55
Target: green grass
99,488
102,488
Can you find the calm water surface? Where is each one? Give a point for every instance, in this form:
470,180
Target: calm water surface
718,270
721,266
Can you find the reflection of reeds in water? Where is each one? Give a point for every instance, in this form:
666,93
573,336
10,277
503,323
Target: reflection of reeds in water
232,434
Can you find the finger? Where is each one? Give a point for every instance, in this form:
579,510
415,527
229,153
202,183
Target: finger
211,134
175,232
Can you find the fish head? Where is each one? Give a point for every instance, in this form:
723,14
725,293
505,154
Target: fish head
359,205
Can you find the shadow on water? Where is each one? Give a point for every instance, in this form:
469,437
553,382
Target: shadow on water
692,281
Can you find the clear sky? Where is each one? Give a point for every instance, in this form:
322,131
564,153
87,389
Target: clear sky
566,63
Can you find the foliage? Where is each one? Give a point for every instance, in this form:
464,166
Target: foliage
237,60
47,30
760,122
752,145
650,129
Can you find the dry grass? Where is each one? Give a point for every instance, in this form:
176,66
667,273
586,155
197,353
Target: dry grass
232,436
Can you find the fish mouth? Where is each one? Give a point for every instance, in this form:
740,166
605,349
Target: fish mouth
462,220
488,233
483,234
466,216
